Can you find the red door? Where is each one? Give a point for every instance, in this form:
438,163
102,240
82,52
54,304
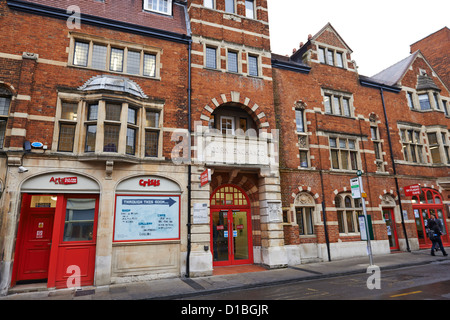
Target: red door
36,245
35,238
73,260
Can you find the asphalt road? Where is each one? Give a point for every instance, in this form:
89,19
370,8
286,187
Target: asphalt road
427,282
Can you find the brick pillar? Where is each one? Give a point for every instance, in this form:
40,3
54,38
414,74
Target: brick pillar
273,252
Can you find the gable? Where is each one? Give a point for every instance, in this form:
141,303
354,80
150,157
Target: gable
328,35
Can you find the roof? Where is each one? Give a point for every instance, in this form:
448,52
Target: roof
113,83
122,11
392,75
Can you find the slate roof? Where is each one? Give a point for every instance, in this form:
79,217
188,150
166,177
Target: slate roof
392,75
127,11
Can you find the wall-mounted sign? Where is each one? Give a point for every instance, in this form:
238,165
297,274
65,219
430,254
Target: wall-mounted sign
413,190
205,177
60,182
37,144
64,180
147,218
149,182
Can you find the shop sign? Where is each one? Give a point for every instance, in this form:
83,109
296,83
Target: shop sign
65,180
147,218
205,177
413,190
149,182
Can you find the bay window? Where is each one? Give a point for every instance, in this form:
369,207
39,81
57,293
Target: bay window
103,126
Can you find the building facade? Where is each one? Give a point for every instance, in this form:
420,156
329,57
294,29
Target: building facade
90,106
158,138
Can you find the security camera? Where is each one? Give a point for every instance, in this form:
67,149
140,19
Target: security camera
22,169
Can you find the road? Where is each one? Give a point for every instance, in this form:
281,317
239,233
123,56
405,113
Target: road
426,282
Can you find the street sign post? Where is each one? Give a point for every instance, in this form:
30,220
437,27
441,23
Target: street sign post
356,186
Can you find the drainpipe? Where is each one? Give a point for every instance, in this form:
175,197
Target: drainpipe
324,213
188,255
394,169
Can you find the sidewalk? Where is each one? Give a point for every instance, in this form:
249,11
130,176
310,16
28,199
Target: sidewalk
184,287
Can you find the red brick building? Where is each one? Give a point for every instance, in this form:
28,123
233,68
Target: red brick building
436,47
392,127
162,138
89,104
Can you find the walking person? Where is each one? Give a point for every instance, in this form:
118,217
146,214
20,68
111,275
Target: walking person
435,234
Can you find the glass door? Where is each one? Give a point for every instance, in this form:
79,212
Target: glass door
388,215
231,238
220,233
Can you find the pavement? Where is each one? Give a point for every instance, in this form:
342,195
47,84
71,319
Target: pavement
179,288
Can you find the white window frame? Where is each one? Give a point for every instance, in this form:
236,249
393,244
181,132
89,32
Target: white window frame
330,56
232,120
148,6
250,12
210,4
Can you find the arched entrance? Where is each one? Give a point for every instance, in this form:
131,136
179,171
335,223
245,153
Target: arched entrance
428,202
231,231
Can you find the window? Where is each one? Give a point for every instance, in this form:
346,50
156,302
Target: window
123,128
99,55
233,61
412,146
250,9
253,65
409,96
160,6
337,104
229,6
208,4
424,102
445,104
331,57
5,101
302,136
152,133
299,120
344,155
211,58
80,57
227,125
339,60
446,147
436,101
348,210
304,217
67,126
375,136
79,222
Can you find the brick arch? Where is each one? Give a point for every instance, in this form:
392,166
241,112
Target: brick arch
8,87
246,104
305,189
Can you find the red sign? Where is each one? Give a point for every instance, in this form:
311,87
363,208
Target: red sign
205,177
413,190
65,180
149,182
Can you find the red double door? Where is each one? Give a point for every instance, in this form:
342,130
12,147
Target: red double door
56,240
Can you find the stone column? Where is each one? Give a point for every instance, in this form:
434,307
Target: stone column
273,252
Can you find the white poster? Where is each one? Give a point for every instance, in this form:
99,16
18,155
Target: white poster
140,218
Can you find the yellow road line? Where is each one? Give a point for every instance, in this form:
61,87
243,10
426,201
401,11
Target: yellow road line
405,294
